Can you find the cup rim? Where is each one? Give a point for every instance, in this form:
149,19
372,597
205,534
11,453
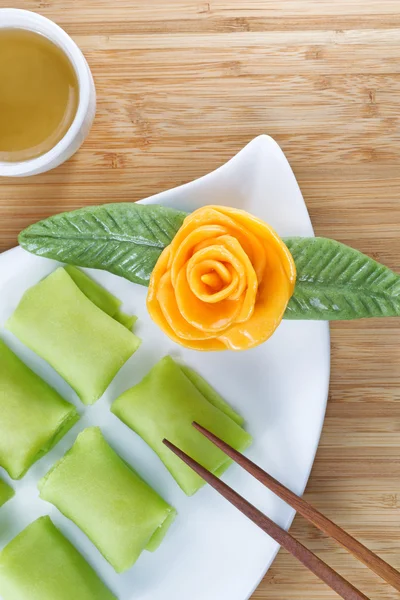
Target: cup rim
31,21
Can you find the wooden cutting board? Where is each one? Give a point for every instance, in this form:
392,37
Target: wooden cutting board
182,86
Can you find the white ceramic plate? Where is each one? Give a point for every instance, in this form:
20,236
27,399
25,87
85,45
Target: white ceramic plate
211,552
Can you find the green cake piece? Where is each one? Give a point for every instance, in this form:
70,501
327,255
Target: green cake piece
41,564
6,492
33,416
80,341
127,321
101,297
96,293
120,513
165,404
212,396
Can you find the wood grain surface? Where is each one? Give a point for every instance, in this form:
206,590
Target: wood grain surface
182,86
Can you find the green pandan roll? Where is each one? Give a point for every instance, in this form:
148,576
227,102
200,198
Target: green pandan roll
164,405
80,341
98,491
101,297
127,321
33,416
41,564
210,394
6,492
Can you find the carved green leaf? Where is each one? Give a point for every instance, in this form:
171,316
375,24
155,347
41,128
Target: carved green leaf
335,281
125,239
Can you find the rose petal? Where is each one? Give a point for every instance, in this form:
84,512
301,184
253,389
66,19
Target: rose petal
248,284
219,254
157,316
262,230
206,317
182,252
273,296
210,275
211,216
167,301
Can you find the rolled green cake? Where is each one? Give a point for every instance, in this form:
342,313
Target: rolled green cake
102,298
100,493
85,345
96,293
210,394
6,492
41,564
33,416
165,404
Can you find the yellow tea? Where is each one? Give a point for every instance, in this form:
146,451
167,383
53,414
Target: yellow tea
39,94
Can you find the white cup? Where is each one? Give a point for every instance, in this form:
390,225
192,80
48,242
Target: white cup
79,129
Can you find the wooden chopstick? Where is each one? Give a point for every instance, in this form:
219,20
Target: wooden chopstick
305,556
366,556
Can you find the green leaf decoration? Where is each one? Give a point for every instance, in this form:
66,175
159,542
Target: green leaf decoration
125,239
337,282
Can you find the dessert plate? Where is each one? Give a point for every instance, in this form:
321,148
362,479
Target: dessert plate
212,552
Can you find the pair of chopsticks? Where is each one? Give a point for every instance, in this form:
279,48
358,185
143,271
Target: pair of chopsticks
340,585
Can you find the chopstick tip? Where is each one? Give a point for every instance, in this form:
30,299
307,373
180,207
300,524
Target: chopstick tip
171,446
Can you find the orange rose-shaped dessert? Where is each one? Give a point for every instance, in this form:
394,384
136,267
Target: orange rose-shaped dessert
223,283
